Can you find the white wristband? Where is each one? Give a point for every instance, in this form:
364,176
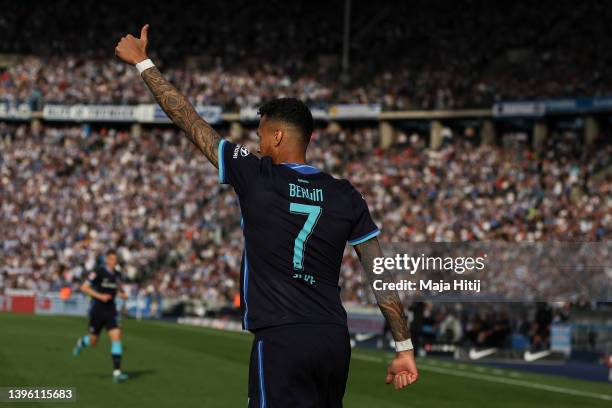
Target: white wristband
144,65
403,345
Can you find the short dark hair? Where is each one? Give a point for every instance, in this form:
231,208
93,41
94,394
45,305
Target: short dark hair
111,251
292,111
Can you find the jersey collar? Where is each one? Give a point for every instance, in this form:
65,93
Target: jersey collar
302,168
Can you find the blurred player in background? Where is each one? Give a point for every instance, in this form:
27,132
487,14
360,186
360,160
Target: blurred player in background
606,360
296,223
103,286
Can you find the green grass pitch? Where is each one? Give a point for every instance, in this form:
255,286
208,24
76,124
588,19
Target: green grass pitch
183,366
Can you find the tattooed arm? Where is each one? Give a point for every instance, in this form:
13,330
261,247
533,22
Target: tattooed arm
183,114
133,50
402,371
388,300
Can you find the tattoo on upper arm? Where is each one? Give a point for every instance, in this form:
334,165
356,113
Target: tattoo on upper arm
388,301
183,114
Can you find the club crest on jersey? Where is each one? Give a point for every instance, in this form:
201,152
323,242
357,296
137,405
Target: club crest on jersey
242,150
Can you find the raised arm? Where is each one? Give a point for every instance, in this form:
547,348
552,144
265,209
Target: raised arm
133,50
402,371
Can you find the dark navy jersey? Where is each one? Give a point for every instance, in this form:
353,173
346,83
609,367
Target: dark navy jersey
104,281
296,223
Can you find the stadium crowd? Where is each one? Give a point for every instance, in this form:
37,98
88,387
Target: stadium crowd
71,192
463,54
68,193
509,325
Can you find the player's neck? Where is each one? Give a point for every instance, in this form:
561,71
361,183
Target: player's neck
290,153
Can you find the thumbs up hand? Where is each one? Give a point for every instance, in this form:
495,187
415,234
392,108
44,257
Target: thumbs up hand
133,50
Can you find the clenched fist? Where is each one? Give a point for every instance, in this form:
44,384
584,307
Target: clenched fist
131,49
402,371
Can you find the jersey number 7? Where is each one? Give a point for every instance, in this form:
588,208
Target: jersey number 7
313,212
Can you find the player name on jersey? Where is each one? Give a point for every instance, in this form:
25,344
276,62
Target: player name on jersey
313,194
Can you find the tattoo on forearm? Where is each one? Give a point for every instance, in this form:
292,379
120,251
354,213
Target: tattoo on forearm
388,300
182,113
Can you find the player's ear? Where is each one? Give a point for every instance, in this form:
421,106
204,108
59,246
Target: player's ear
278,137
